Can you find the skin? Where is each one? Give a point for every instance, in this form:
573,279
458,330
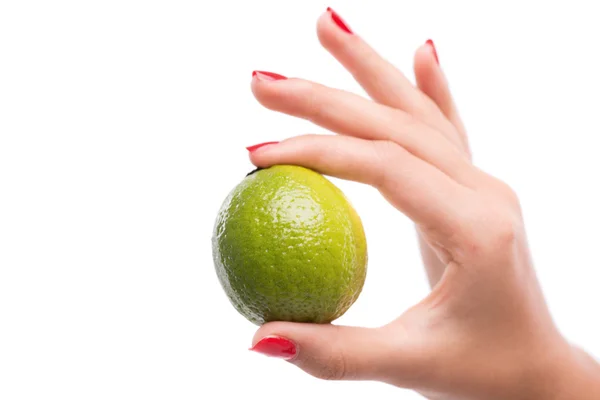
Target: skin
484,332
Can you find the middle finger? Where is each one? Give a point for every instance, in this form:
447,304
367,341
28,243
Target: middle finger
382,81
350,114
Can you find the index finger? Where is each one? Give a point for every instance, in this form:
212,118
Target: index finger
422,192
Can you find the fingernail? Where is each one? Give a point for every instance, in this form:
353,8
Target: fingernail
267,76
339,21
430,43
276,346
258,146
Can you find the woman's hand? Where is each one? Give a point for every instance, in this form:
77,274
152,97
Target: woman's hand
484,331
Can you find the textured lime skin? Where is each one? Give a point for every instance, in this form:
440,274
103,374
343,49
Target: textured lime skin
288,246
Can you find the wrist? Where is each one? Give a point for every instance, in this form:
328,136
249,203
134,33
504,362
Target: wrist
563,372
578,377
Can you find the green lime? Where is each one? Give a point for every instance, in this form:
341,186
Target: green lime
288,246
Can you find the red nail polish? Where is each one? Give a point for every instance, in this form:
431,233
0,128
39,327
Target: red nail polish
276,346
267,76
339,21
430,43
258,146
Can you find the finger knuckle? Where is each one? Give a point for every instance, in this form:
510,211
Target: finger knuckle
502,232
309,94
505,192
493,236
334,369
385,154
511,196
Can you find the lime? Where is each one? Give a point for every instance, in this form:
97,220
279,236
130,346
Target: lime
289,246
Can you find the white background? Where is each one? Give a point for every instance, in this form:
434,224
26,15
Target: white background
123,126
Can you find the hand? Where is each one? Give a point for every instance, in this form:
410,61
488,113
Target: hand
484,331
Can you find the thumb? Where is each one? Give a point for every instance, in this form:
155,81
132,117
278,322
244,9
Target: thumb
329,351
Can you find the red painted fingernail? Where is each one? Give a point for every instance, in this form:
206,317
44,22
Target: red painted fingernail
267,76
430,43
258,146
339,21
275,346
